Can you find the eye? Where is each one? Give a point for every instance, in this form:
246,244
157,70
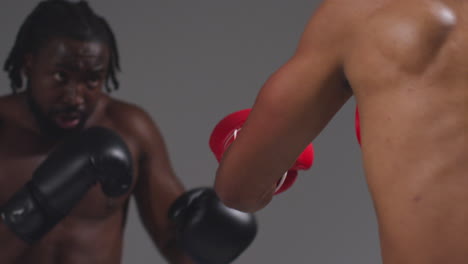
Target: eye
60,76
94,81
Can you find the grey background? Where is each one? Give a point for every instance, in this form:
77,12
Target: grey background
189,63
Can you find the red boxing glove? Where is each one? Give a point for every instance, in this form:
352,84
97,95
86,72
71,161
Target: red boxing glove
304,162
358,127
225,132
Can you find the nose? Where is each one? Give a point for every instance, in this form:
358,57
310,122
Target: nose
73,94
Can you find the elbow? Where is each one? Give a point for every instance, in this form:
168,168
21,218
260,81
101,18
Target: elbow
237,203
239,199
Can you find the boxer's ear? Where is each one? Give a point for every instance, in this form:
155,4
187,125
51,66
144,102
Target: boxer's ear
27,64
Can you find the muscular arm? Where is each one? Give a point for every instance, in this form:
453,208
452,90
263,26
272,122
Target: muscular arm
291,109
156,190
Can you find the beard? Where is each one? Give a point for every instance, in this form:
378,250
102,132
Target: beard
47,126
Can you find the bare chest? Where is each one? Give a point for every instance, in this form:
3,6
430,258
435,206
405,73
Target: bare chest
21,154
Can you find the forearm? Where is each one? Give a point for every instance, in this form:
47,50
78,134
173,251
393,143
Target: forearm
8,238
247,180
241,199
174,254
11,245
166,242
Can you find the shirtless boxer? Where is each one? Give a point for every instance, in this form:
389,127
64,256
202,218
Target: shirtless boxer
71,156
405,62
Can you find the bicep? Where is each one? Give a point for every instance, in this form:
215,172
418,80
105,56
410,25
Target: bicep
157,186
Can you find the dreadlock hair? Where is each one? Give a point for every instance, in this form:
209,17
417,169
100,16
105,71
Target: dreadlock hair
61,18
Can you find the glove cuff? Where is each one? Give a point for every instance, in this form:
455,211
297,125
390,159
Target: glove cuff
225,132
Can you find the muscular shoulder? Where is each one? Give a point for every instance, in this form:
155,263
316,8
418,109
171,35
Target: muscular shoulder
12,110
408,32
428,13
132,120
334,24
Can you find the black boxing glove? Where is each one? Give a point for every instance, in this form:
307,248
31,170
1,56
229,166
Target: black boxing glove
95,155
207,230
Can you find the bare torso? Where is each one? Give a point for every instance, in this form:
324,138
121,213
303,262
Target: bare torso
408,67
92,233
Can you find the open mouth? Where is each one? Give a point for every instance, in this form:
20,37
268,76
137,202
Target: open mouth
68,120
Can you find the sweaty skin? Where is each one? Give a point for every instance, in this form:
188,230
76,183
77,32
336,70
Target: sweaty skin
70,74
406,63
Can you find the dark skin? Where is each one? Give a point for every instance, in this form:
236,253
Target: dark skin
66,79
